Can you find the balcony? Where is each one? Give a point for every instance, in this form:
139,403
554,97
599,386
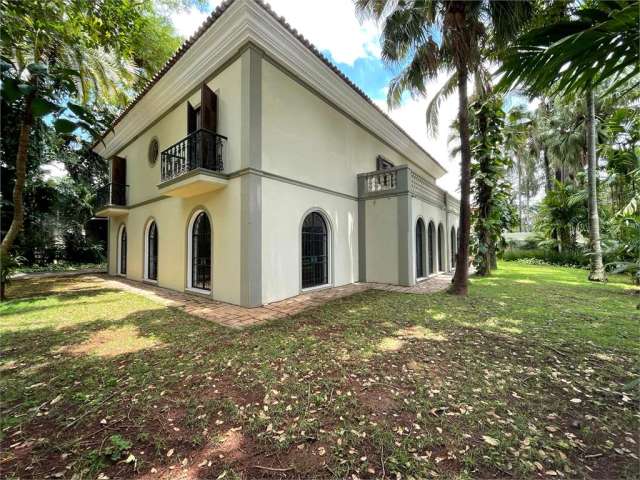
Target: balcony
111,200
193,166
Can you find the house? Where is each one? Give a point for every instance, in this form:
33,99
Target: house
250,169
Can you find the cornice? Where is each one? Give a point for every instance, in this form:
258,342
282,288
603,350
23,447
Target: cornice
248,21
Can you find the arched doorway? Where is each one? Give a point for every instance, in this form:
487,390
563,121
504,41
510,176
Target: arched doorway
122,254
420,241
431,247
200,252
454,247
151,251
315,251
440,248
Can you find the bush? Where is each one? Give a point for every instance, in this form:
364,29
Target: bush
568,258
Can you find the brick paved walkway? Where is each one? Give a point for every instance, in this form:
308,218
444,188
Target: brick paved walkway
239,317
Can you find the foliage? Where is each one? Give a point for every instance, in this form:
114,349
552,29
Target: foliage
573,257
9,264
599,43
562,215
492,192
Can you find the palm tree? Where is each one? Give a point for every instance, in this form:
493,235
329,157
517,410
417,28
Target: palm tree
435,36
45,66
598,46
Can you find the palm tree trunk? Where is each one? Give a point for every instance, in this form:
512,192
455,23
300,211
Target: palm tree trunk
461,277
597,273
21,173
547,171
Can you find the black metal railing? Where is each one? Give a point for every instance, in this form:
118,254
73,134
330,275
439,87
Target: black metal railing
200,149
111,194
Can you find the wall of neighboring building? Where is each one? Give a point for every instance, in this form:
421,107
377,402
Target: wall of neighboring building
284,207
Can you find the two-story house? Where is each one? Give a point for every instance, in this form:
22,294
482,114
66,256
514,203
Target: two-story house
250,169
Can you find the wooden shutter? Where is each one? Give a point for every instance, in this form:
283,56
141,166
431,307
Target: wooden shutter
191,119
209,109
118,171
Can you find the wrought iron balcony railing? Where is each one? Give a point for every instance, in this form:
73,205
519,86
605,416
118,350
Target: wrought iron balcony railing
112,194
200,149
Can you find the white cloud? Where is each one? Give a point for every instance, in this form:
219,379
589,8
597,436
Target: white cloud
187,21
411,117
332,25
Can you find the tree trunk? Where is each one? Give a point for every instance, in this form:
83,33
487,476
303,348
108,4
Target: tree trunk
519,166
547,171
597,273
461,277
21,174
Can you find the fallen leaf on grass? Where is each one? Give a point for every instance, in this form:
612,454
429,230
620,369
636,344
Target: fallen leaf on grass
490,440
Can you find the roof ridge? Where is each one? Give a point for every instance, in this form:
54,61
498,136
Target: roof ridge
215,14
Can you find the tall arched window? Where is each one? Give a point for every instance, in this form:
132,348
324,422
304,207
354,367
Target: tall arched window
200,252
122,258
440,248
454,247
315,251
151,251
431,247
420,240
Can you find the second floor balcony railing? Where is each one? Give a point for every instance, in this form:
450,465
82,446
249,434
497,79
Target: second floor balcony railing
111,194
200,149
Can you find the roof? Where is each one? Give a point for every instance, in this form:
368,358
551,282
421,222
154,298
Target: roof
217,13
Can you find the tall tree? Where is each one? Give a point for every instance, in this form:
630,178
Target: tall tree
428,37
57,57
600,44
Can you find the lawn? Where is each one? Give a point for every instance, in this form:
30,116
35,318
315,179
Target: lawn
525,378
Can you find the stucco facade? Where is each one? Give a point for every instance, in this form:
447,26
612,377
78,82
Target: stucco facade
294,144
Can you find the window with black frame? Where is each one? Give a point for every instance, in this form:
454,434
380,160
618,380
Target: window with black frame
440,248
431,239
315,251
420,249
123,251
152,252
201,253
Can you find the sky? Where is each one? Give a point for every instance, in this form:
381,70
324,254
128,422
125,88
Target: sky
354,46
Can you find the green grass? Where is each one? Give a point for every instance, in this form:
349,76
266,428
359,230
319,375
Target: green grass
524,378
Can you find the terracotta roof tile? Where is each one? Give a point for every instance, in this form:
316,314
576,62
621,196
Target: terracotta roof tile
203,28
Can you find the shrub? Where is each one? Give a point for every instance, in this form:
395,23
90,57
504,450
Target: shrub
568,258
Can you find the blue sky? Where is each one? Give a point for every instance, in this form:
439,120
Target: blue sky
354,47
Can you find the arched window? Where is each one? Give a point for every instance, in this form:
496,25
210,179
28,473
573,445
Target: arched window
454,247
440,248
122,258
200,252
315,251
151,251
420,240
432,254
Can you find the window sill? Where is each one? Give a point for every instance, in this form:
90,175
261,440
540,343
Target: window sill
198,291
317,287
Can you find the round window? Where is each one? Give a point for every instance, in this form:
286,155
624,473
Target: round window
153,151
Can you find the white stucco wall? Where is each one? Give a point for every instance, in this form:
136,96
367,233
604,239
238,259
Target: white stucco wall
172,216
437,215
283,209
381,228
143,178
305,138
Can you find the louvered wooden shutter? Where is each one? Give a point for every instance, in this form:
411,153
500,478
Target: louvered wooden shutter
192,122
118,171
209,109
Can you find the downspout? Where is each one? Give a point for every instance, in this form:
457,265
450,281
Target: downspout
447,235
